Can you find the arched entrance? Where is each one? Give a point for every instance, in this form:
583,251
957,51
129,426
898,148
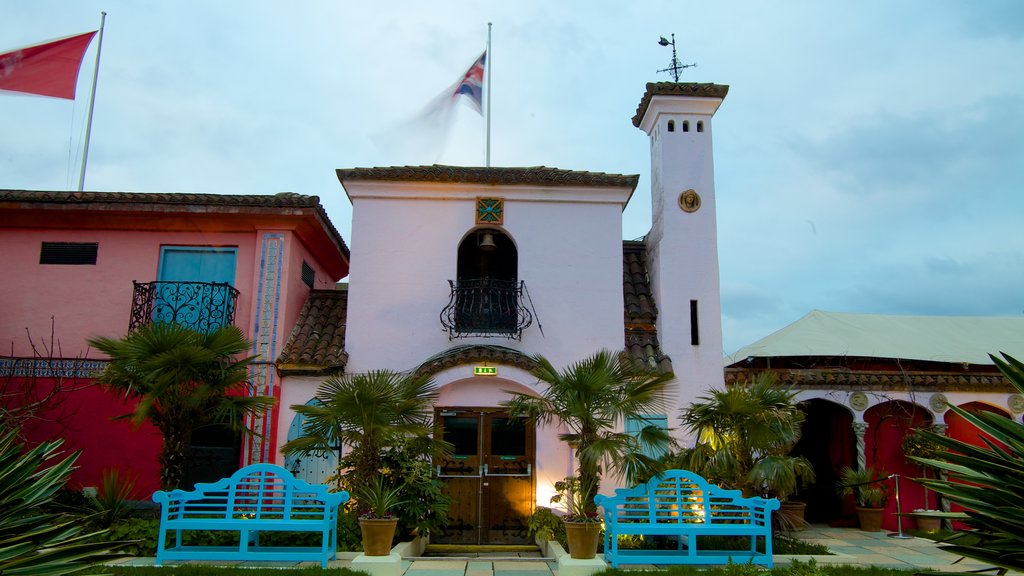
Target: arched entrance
888,424
828,442
961,429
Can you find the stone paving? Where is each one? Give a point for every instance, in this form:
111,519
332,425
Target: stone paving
849,546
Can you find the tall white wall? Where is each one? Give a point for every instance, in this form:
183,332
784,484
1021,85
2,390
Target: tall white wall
683,246
405,239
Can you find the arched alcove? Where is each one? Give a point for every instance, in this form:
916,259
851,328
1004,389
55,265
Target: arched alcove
828,442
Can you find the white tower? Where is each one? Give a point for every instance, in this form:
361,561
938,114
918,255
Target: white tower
682,246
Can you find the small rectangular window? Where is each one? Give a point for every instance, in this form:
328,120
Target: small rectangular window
72,253
694,324
308,275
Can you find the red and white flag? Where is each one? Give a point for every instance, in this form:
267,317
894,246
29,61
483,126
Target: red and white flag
47,69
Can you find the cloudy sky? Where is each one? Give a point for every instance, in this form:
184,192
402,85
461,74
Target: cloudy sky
869,156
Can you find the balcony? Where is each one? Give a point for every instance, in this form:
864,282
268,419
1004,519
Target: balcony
201,306
486,307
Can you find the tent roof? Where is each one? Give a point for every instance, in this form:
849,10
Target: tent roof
959,339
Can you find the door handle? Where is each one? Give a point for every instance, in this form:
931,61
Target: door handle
477,475
529,468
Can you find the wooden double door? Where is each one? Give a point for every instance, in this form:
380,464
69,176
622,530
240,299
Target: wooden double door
489,476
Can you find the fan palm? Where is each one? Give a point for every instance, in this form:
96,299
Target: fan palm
744,435
593,398
987,481
368,412
181,379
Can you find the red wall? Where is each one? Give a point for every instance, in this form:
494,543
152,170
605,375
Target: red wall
888,423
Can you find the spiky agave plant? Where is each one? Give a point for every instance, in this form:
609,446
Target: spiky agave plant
33,541
987,481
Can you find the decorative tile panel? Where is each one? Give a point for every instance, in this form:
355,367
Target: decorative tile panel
490,210
264,338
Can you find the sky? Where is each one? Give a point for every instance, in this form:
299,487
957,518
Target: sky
868,158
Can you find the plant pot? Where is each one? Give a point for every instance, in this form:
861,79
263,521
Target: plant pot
870,519
927,523
791,514
377,535
583,538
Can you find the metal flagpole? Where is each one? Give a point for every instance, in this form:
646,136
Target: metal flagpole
490,64
92,102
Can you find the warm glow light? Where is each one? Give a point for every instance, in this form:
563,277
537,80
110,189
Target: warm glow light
485,370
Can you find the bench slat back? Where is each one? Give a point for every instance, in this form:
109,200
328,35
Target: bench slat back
258,492
683,497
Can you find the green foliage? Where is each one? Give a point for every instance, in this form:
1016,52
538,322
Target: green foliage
546,525
987,481
864,486
33,541
377,499
593,398
202,570
112,500
571,492
744,436
369,413
181,379
141,532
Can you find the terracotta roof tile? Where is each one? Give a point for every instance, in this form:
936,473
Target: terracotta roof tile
692,89
874,380
150,200
461,355
533,175
317,342
640,312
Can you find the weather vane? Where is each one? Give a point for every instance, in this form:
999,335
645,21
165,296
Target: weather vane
675,67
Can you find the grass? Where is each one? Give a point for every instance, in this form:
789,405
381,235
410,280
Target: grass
795,569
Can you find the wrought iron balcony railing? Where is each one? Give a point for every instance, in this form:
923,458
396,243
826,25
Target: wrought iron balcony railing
486,307
201,306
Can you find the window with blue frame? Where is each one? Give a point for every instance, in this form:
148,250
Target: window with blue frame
196,286
635,425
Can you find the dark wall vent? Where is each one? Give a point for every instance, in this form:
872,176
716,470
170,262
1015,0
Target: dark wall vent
72,253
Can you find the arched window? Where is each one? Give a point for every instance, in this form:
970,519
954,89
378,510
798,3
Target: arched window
486,290
671,125
686,125
700,126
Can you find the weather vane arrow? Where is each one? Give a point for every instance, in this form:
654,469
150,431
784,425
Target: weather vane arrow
675,66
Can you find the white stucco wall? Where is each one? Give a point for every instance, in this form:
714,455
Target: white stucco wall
683,246
405,238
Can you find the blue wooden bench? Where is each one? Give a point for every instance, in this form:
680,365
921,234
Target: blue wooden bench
257,498
682,504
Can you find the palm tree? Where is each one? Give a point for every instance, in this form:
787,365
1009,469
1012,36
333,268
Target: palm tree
593,399
369,412
182,379
744,435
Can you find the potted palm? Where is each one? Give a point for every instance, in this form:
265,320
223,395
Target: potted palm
370,413
869,492
376,520
593,399
582,526
744,437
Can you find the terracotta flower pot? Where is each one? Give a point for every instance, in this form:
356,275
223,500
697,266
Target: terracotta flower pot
870,519
583,538
792,513
927,523
377,535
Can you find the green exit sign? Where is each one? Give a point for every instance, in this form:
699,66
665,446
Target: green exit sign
485,370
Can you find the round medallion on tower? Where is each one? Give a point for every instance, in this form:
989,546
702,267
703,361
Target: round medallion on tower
689,200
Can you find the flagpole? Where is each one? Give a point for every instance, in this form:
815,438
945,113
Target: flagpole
92,102
490,65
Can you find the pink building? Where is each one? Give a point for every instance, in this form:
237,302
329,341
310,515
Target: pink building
78,265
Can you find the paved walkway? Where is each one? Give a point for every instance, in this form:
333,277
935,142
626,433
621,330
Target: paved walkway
849,546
